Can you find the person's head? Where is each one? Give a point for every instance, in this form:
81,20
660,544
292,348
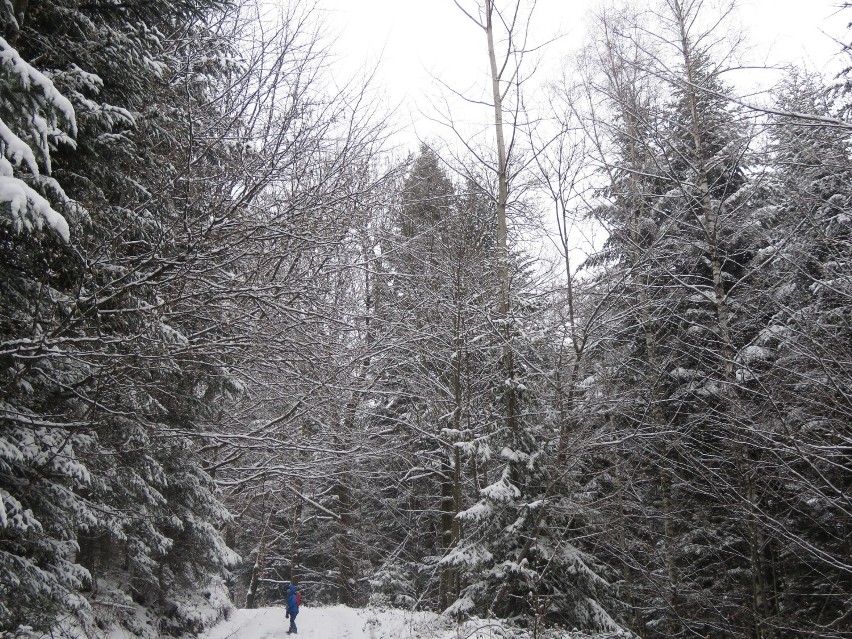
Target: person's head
294,581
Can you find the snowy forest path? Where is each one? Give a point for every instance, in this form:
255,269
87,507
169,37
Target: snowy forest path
340,622
324,622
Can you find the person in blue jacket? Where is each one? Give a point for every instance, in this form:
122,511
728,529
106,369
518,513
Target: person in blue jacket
293,605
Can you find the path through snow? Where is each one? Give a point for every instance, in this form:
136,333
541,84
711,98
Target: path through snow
331,622
339,622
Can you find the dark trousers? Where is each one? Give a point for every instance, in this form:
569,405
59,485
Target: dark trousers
293,621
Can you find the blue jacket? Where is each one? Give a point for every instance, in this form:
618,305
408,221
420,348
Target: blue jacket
292,608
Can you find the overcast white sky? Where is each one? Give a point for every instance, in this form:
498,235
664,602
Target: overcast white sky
413,40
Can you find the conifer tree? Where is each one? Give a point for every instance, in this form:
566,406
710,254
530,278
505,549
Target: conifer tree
794,365
102,378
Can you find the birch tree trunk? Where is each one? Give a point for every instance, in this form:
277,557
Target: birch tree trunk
510,395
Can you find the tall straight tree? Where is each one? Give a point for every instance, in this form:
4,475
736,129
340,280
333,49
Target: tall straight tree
504,78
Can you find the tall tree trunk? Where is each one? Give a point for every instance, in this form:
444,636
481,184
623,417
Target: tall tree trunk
447,515
259,564
636,623
455,585
295,545
510,394
346,578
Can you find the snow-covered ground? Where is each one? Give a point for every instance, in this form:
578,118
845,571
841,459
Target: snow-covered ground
332,622
339,622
